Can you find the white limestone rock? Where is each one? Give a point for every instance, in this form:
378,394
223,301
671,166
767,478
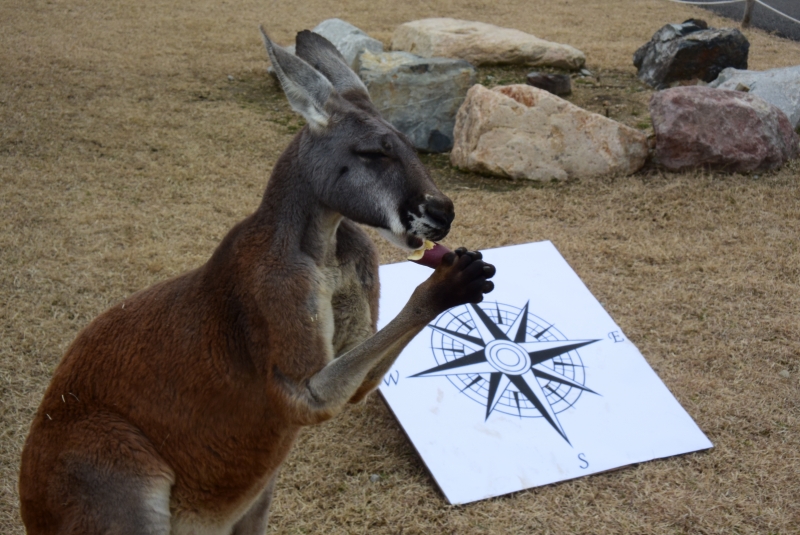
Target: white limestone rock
520,131
349,40
482,44
779,87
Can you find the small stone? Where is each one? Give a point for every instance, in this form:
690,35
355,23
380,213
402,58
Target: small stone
719,129
586,72
784,373
231,78
374,478
557,84
482,44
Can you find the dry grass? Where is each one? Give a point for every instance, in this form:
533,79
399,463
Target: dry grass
126,153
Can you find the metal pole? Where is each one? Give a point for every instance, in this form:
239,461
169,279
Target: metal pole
748,13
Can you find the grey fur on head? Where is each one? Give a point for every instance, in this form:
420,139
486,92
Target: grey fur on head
350,159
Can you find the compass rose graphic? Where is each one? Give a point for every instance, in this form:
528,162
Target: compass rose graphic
509,360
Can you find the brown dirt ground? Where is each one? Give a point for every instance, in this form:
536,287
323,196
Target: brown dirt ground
126,153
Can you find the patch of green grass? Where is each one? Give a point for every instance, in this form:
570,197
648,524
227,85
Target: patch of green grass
256,90
495,75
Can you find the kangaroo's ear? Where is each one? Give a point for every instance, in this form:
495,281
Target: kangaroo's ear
306,89
323,56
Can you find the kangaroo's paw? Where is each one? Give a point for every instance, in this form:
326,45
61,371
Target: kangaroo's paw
462,277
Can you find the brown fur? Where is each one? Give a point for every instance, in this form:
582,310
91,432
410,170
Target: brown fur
172,411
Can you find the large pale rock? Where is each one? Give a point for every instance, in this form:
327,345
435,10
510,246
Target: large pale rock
349,40
779,87
690,51
419,96
520,131
732,131
482,44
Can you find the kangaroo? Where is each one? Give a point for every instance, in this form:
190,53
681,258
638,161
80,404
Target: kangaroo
172,412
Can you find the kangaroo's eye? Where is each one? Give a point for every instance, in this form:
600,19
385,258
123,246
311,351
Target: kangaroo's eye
370,155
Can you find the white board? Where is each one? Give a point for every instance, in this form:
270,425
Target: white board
535,385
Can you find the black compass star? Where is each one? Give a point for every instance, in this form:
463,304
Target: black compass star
507,361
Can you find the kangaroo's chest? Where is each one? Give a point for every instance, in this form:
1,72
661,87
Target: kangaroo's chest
343,314
323,316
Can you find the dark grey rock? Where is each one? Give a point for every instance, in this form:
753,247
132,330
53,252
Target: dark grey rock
557,84
690,51
419,96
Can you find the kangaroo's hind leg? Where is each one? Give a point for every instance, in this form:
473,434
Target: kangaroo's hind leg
254,522
98,475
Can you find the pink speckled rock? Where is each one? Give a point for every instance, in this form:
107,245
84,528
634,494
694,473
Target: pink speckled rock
732,131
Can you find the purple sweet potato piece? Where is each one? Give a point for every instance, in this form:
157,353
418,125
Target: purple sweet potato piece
433,257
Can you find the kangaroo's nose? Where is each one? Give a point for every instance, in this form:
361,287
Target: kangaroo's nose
440,211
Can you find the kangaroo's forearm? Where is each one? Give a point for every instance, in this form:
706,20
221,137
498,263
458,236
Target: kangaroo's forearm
359,370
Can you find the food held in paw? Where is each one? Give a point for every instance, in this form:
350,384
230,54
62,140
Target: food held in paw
429,255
